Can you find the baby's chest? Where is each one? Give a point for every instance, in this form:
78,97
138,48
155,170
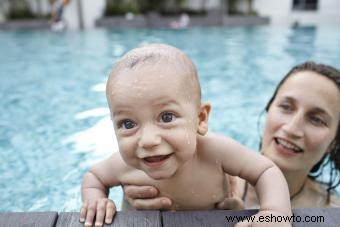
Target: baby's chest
196,191
202,194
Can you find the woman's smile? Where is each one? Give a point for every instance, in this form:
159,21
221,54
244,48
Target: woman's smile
287,148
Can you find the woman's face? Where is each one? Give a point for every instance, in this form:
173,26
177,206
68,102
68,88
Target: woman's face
302,121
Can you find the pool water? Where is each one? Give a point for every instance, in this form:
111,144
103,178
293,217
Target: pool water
54,120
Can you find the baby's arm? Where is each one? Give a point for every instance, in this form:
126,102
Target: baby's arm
95,189
269,182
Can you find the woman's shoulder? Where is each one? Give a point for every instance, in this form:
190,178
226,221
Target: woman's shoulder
335,200
319,192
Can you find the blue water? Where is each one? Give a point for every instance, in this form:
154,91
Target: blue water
54,120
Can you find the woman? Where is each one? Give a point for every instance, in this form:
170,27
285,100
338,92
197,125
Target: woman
302,134
301,137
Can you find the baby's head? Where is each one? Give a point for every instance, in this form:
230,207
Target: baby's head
154,97
157,63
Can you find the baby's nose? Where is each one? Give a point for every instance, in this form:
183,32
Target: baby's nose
149,137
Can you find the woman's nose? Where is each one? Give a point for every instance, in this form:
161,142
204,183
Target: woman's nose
294,125
149,137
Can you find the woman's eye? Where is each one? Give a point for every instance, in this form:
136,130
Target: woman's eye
317,121
126,124
285,107
167,117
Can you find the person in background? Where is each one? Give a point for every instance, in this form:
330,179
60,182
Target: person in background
57,9
302,136
182,22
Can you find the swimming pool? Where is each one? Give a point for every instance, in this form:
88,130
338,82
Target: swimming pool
54,120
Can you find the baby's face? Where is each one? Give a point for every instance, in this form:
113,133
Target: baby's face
155,118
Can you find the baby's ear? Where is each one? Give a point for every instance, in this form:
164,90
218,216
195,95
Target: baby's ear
203,117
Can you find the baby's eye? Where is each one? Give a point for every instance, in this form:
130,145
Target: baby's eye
167,117
126,124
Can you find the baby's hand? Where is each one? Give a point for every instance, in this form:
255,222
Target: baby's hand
267,219
101,208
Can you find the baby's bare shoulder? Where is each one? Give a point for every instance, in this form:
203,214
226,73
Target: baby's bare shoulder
122,169
214,145
111,170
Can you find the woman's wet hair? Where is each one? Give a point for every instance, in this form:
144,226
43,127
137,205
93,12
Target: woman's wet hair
331,159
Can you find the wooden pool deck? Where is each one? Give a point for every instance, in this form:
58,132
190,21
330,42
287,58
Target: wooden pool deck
303,217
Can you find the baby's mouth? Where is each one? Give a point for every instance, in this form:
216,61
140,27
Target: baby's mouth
156,159
287,145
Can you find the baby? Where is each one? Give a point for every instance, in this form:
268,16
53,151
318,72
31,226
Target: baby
161,127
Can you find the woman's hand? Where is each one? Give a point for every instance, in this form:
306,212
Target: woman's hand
146,198
234,203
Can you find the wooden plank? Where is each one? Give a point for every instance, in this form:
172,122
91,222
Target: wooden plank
318,217
69,219
122,219
138,219
28,219
203,218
